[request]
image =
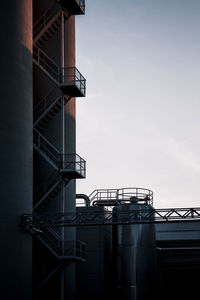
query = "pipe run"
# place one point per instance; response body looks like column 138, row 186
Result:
column 85, row 197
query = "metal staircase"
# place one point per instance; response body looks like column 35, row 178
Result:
column 67, row 167
column 64, row 251
column 63, row 163
column 46, row 149
column 47, row 108
column 48, row 24
column 68, row 83
column 46, row 191
column 69, row 79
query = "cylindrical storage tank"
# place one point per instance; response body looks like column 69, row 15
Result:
column 94, row 277
column 134, row 254
column 16, row 148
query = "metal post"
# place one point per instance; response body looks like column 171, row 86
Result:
column 62, row 45
column 62, row 150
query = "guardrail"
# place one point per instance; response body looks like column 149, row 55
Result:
column 73, row 162
column 111, row 197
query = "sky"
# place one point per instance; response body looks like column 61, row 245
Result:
column 139, row 123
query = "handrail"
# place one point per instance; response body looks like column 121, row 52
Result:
column 122, row 195
column 64, row 161
column 47, row 63
column 97, row 192
column 45, row 186
column 73, row 161
column 72, row 74
column 63, row 247
column 61, row 76
column 45, row 19
column 45, row 102
column 46, row 147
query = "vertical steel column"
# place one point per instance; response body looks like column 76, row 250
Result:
column 62, row 145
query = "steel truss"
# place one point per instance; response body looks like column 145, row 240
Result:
column 35, row 222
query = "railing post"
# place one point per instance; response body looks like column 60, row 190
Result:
column 117, row 195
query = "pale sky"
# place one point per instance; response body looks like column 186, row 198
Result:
column 139, row 124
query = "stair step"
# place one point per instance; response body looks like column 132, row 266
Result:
column 43, row 38
column 40, row 43
column 40, row 127
column 49, row 116
column 51, row 30
column 47, row 34
column 56, row 109
column 45, row 120
column 51, row 113
column 57, row 23
column 54, row 27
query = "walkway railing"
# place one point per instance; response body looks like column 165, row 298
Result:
column 73, row 162
column 111, row 197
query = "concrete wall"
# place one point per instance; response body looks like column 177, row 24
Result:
column 16, row 148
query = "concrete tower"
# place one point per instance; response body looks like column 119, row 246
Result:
column 16, row 148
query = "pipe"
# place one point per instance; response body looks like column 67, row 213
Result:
column 85, row 197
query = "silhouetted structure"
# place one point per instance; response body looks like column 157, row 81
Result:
column 112, row 245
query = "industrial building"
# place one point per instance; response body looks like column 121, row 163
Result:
column 57, row 244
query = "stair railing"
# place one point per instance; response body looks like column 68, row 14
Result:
column 44, row 146
column 44, row 103
column 46, row 63
column 43, row 21
column 46, row 186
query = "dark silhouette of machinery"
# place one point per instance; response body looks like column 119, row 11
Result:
column 56, row 244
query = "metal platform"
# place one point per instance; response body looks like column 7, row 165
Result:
column 74, row 7
column 72, row 166
column 72, row 82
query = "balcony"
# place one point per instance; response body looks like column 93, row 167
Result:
column 72, row 166
column 72, row 82
column 74, row 7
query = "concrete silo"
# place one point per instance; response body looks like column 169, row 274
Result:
column 16, row 148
